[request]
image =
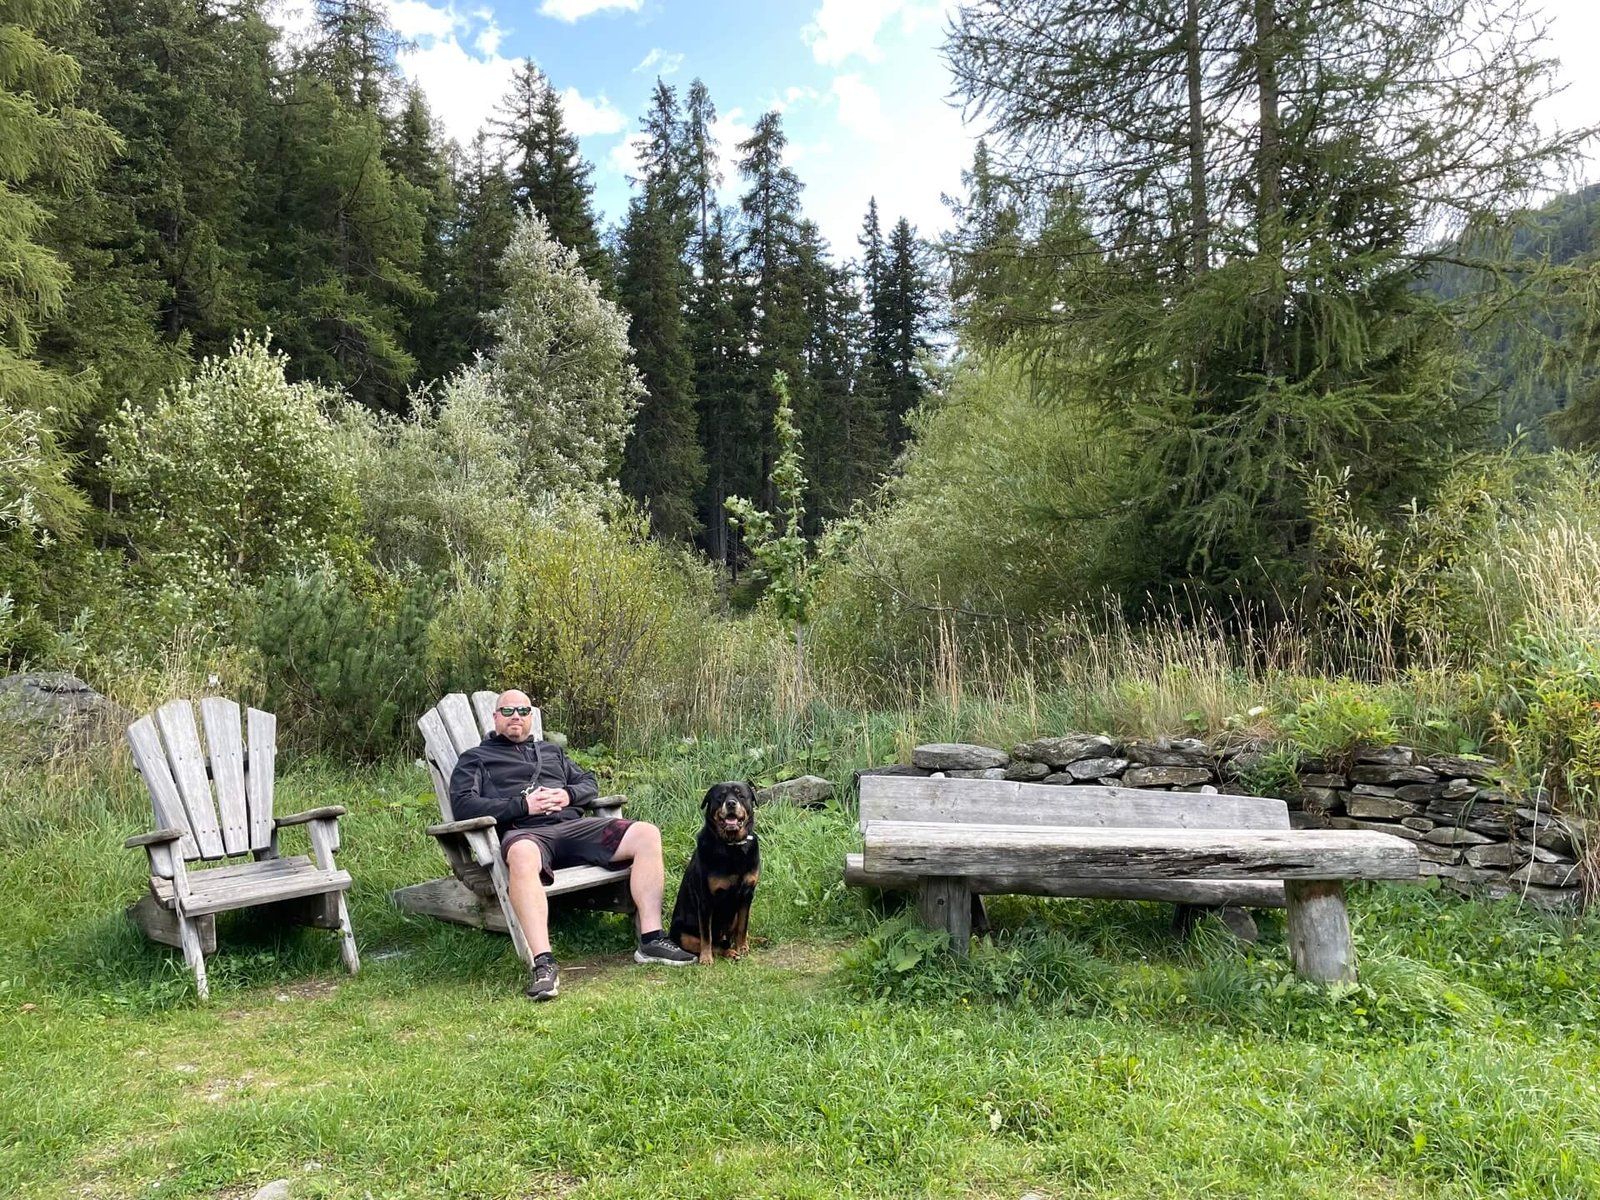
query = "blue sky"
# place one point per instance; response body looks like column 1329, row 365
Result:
column 861, row 85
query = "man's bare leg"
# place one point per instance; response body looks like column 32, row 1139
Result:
column 532, row 906
column 647, row 883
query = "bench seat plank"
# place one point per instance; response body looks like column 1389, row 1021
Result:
column 1046, row 852
column 1208, row 893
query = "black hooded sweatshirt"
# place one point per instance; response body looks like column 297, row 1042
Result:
column 491, row 777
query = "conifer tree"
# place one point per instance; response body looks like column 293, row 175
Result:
column 902, row 311
column 45, row 142
column 485, row 217
column 546, row 168
column 1234, row 203
column 663, row 465
column 717, row 338
column 847, row 452
column 354, row 51
column 772, row 303
column 415, row 155
column 339, row 239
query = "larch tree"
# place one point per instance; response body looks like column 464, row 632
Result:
column 1235, row 203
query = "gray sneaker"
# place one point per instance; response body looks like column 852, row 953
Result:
column 664, row 951
column 544, row 981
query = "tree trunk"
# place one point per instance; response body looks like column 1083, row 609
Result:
column 1269, row 201
column 1199, row 202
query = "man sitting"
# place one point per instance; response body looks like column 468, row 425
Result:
column 533, row 790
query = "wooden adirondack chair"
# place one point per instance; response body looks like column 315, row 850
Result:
column 477, row 892
column 235, row 822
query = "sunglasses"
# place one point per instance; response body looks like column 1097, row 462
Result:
column 515, row 710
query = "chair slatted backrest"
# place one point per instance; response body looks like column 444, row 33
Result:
column 1002, row 802
column 219, row 791
column 453, row 726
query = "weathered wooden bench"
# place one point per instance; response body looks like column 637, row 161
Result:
column 477, row 892
column 951, row 839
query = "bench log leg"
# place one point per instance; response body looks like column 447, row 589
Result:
column 1319, row 931
column 945, row 904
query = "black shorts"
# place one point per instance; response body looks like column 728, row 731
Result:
column 587, row 841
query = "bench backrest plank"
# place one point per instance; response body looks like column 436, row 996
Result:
column 449, row 729
column 219, row 791
column 1003, row 802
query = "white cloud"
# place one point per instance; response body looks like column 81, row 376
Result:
column 575, row 10
column 792, row 96
column 488, row 40
column 907, row 175
column 842, row 28
column 859, row 108
column 845, row 28
column 624, row 156
column 413, row 19
column 586, row 117
column 731, row 129
column 662, row 62
column 462, row 88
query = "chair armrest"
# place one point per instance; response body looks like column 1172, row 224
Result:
column 605, row 802
column 153, row 839
column 466, row 826
column 311, row 814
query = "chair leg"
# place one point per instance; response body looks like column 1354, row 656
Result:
column 193, row 954
column 347, row 936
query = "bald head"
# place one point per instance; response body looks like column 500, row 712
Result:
column 519, row 725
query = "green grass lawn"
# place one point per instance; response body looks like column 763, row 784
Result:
column 1082, row 1052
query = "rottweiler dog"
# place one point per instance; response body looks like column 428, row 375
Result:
column 712, row 912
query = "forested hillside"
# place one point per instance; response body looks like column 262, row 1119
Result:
column 1226, row 329
column 183, row 176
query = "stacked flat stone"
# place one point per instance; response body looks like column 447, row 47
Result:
column 1469, row 832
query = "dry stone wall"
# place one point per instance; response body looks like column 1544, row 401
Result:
column 1471, row 833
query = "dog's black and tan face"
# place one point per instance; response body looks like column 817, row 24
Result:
column 730, row 810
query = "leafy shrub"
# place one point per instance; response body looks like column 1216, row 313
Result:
column 1338, row 717
column 439, row 490
column 345, row 671
column 586, row 614
column 1549, row 724
column 561, row 362
column 233, row 475
column 1007, row 511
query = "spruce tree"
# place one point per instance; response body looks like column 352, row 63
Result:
column 485, row 217
column 416, row 156
column 771, row 301
column 902, row 313
column 663, row 465
column 547, row 169
column 718, row 340
column 717, row 337
column 847, row 452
